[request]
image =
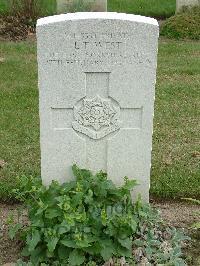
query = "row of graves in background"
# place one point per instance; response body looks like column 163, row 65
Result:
column 101, row 5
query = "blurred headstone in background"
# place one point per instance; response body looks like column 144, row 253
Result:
column 65, row 6
column 186, row 3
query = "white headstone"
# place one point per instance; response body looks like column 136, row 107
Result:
column 97, row 75
column 64, row 6
column 188, row 3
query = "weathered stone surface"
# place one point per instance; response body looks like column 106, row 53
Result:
column 64, row 6
column 189, row 3
column 97, row 75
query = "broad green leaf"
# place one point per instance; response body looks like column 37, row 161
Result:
column 68, row 186
column 87, row 229
column 77, row 199
column 13, row 230
column 124, row 252
column 63, row 229
column 148, row 250
column 134, row 226
column 76, row 258
column 38, row 255
column 42, row 208
column 83, row 243
column 177, row 252
column 106, row 242
column 22, row 263
column 107, row 252
column 68, row 243
column 25, row 252
column 33, row 240
column 63, row 252
column 95, row 249
column 38, row 221
column 80, row 174
column 129, row 184
column 179, row 262
column 52, row 242
column 127, row 242
column 52, row 213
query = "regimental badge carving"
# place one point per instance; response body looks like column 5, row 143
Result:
column 96, row 117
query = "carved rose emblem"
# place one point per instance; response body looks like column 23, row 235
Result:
column 96, row 113
column 96, row 117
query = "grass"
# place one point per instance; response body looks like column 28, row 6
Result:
column 155, row 8
column 175, row 166
column 19, row 123
column 175, row 159
column 3, row 6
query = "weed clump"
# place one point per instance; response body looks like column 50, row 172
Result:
column 184, row 25
column 90, row 222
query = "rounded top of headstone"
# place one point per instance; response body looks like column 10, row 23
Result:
column 96, row 15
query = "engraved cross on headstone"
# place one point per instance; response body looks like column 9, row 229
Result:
column 96, row 118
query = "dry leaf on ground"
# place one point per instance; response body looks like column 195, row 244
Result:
column 2, row 163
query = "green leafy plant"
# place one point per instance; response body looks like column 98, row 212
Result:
column 90, row 221
column 184, row 25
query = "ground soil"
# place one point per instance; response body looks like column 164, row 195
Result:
column 183, row 215
column 178, row 214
